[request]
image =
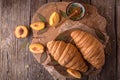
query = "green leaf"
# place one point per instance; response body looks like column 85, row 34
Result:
column 43, row 57
column 53, row 63
column 62, row 38
column 100, row 35
column 42, row 18
column 42, row 31
column 63, row 14
column 23, row 45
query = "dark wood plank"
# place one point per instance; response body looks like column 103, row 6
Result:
column 13, row 61
column 118, row 36
column 35, row 4
column 107, row 9
column 83, row 1
column 0, row 42
column 18, row 65
column 36, row 71
column 53, row 0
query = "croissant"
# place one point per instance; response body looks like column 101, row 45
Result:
column 67, row 55
column 91, row 49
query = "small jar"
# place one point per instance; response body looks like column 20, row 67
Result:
column 72, row 7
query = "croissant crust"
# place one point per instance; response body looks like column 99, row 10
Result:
column 67, row 55
column 91, row 49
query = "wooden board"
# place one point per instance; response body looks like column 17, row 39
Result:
column 92, row 19
column 118, row 36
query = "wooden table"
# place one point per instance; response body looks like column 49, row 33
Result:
column 19, row 64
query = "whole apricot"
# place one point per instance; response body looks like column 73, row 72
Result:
column 36, row 48
column 21, row 32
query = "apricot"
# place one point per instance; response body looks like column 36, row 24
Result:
column 54, row 19
column 21, row 32
column 36, row 48
column 38, row 25
column 74, row 73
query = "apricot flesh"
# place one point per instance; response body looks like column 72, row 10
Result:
column 38, row 25
column 36, row 48
column 21, row 32
column 54, row 19
column 74, row 73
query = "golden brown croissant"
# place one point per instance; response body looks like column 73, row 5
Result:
column 91, row 49
column 67, row 55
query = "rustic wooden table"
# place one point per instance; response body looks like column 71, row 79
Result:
column 17, row 64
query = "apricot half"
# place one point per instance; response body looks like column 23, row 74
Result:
column 21, row 32
column 54, row 19
column 36, row 48
column 38, row 25
column 74, row 73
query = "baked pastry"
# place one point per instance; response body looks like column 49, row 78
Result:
column 67, row 55
column 91, row 48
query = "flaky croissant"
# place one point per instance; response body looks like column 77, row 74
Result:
column 67, row 55
column 91, row 49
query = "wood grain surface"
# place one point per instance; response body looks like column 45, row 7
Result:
column 19, row 64
column 107, row 9
column 118, row 36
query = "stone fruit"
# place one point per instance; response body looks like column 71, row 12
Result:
column 21, row 32
column 36, row 48
column 67, row 55
column 38, row 25
column 74, row 73
column 91, row 48
column 54, row 19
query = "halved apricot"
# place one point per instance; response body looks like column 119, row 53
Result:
column 36, row 48
column 38, row 25
column 21, row 32
column 74, row 73
column 54, row 19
